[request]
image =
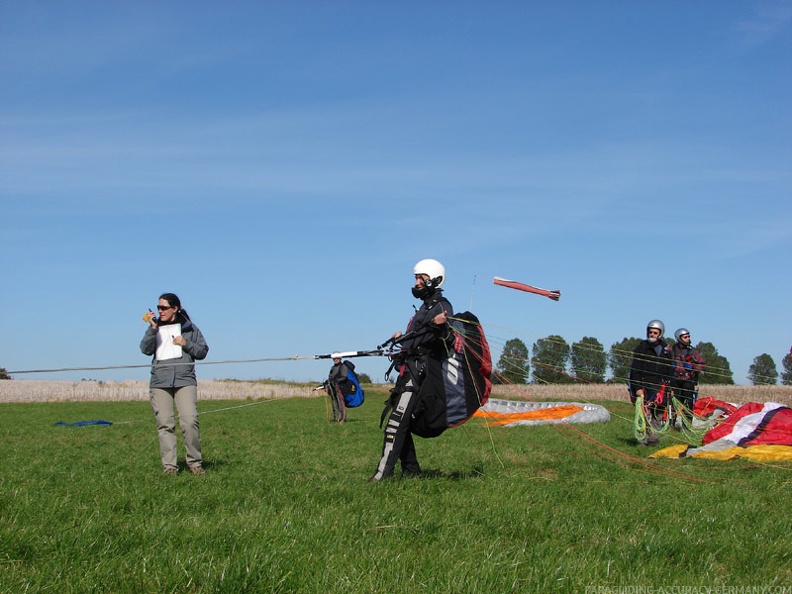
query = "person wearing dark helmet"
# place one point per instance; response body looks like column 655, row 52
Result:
column 688, row 363
column 425, row 337
column 175, row 343
column 650, row 372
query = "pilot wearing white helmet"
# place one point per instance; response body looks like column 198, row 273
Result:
column 423, row 338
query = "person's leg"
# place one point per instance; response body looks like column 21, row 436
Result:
column 162, row 404
column 337, row 402
column 675, row 415
column 397, row 431
column 687, row 398
column 186, row 399
column 409, row 458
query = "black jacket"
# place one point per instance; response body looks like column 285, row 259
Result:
column 423, row 337
column 651, row 367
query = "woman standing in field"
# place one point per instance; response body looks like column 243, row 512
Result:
column 175, row 342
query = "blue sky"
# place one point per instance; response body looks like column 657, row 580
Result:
column 281, row 166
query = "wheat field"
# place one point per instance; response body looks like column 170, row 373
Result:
column 137, row 390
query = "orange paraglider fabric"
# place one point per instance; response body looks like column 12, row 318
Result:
column 544, row 414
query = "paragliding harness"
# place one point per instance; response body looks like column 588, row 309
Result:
column 350, row 387
column 452, row 384
column 655, row 417
column 344, row 393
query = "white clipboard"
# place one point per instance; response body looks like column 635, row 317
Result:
column 165, row 347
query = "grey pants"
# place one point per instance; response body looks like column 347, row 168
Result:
column 185, row 400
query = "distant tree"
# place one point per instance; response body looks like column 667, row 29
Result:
column 550, row 359
column 762, row 371
column 786, row 375
column 620, row 359
column 364, row 378
column 717, row 370
column 514, row 364
column 4, row 374
column 589, row 360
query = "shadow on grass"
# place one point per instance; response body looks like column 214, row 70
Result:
column 458, row 475
column 434, row 474
column 632, row 442
column 207, row 465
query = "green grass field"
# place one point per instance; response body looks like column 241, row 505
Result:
column 285, row 506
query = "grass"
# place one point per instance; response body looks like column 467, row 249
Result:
column 285, row 506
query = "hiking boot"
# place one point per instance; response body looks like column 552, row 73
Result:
column 170, row 470
column 197, row 470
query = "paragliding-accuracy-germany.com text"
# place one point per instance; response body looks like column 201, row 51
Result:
column 688, row 589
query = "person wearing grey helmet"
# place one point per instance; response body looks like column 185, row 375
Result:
column 688, row 363
column 650, row 373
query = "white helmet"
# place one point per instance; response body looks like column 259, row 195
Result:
column 433, row 269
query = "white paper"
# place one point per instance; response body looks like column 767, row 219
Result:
column 165, row 347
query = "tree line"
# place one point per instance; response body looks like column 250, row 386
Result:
column 554, row 361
